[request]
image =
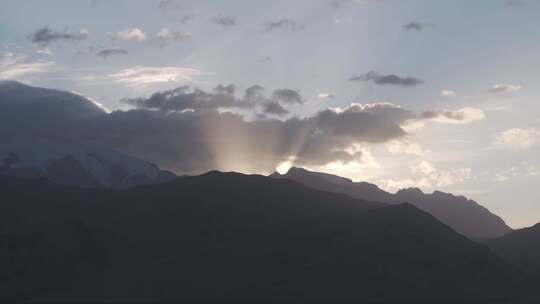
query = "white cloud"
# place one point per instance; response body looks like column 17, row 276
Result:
column 448, row 93
column 166, row 36
column 427, row 176
column 506, row 174
column 140, row 76
column 17, row 66
column 523, row 170
column 325, row 96
column 424, row 167
column 517, row 138
column 44, row 50
column 460, row 116
column 135, row 34
column 404, row 147
column 505, row 88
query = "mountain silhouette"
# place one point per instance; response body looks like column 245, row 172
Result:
column 521, row 247
column 463, row 215
column 80, row 165
column 229, row 237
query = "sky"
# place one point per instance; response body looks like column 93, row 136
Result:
column 429, row 94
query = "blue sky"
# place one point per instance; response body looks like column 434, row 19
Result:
column 476, row 60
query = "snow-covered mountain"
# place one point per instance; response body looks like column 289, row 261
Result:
column 81, row 165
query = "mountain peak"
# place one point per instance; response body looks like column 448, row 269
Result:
column 80, row 165
column 410, row 191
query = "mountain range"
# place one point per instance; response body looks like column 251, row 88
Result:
column 80, row 165
column 228, row 237
column 81, row 221
column 463, row 215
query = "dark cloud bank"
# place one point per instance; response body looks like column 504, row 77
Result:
column 188, row 131
column 46, row 35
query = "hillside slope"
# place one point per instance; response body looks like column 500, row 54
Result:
column 226, row 237
column 463, row 215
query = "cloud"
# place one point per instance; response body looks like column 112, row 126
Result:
column 186, row 98
column 287, row 96
column 400, row 147
column 428, row 177
column 415, row 26
column 46, row 35
column 523, row 170
column 254, row 92
column 505, row 88
column 111, row 52
column 141, row 76
column 184, row 129
column 44, row 50
column 448, row 93
column 326, row 96
column 283, row 24
column 462, row 116
column 131, row 34
column 410, row 121
column 194, row 141
column 166, row 36
column 380, row 79
column 517, row 138
column 18, row 66
column 274, row 108
column 225, row 21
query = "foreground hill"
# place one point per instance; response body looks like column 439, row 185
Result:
column 522, row 247
column 463, row 215
column 226, row 237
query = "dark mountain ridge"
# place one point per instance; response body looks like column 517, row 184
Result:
column 463, row 215
column 228, row 237
column 521, row 247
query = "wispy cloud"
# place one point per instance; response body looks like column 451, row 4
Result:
column 517, row 139
column 460, row 116
column 448, row 93
column 505, row 88
column 326, row 96
column 141, row 76
column 17, row 66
